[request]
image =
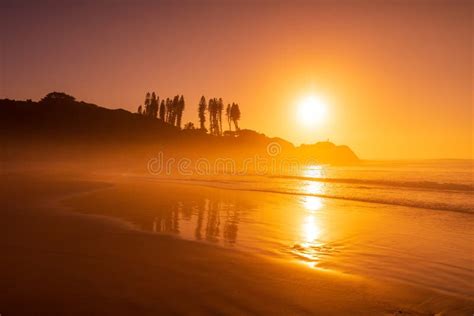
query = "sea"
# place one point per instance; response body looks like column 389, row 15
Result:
column 398, row 221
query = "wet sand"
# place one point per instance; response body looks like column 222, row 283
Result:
column 58, row 262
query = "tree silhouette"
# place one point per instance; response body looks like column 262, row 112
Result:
column 235, row 115
column 154, row 101
column 174, row 110
column 202, row 112
column 213, row 120
column 168, row 107
column 54, row 97
column 215, row 108
column 219, row 108
column 179, row 110
column 171, row 110
column 227, row 114
column 147, row 104
column 162, row 110
column 210, row 110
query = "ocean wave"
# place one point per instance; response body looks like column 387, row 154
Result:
column 426, row 185
column 438, row 206
column 231, row 185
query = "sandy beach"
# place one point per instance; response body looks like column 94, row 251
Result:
column 234, row 157
column 59, row 260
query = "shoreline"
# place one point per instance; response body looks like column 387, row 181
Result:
column 120, row 271
column 200, row 182
column 285, row 255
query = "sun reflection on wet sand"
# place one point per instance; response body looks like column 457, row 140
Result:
column 311, row 229
column 269, row 224
column 310, row 247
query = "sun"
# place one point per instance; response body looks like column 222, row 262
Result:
column 312, row 111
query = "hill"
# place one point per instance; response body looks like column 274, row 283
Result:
column 66, row 123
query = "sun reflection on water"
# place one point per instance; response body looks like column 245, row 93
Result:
column 311, row 229
column 314, row 189
column 314, row 172
column 310, row 247
column 312, row 203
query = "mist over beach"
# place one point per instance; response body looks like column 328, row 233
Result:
column 236, row 158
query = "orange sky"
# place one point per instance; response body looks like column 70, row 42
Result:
column 397, row 75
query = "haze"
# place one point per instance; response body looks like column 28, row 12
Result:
column 397, row 77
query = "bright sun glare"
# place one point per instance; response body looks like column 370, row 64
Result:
column 312, row 111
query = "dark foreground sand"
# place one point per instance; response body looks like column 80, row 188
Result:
column 55, row 262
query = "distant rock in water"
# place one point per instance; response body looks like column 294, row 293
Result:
column 60, row 122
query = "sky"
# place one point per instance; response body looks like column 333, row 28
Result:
column 395, row 76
